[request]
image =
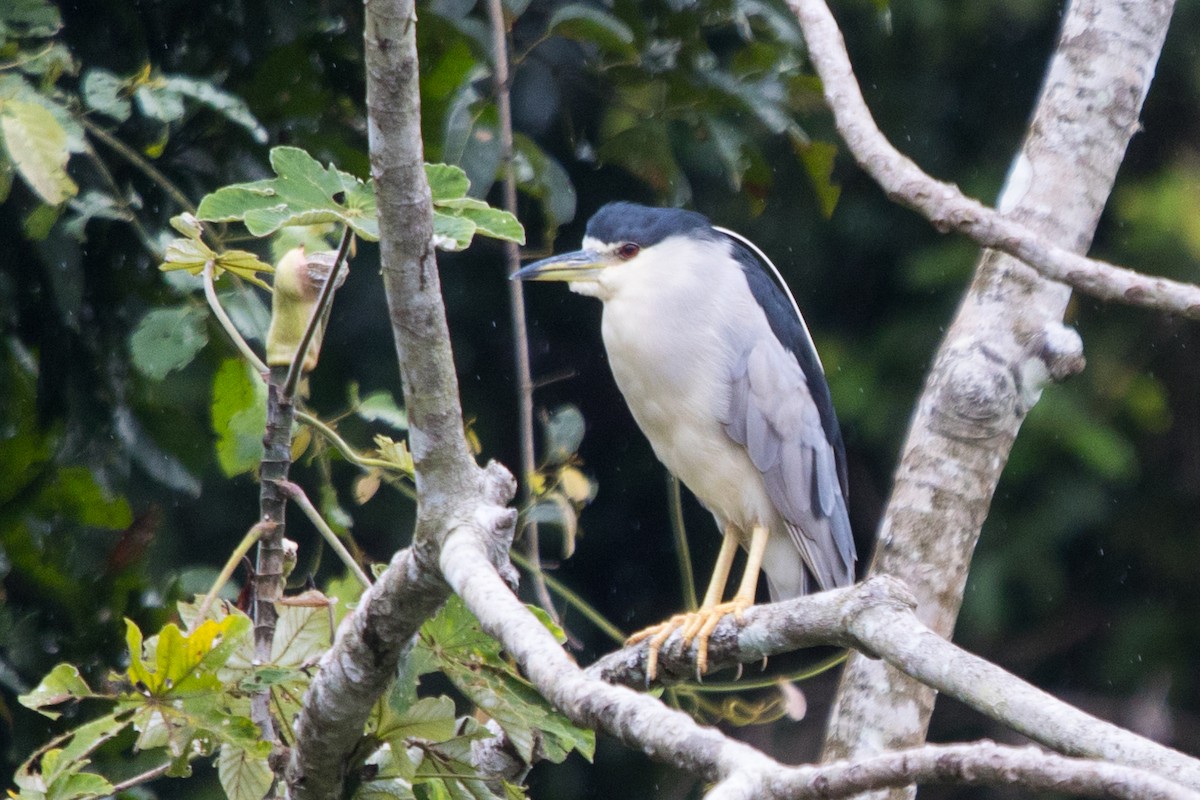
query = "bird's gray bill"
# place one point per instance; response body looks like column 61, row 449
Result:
column 580, row 265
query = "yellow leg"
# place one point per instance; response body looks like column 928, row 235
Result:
column 698, row 625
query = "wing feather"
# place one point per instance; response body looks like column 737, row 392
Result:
column 772, row 413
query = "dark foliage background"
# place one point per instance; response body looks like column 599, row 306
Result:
column 1084, row 579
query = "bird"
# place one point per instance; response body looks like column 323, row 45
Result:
column 719, row 371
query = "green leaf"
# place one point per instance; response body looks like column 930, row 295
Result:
column 228, row 105
column 28, row 18
column 430, row 718
column 105, row 92
column 192, row 254
column 37, row 145
column 472, row 661
column 452, row 232
column 301, row 636
column 167, row 339
column 594, row 26
column 380, row 406
column 818, row 159
column 303, row 193
column 177, row 664
column 446, row 181
column 73, row 493
column 496, row 223
column 62, row 684
column 239, row 410
column 243, row 776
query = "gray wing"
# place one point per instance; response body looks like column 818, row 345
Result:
column 772, row 413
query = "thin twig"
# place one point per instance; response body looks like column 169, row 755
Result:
column 137, row 780
column 365, row 463
column 210, row 294
column 683, row 552
column 297, row 496
column 249, row 540
column 516, row 297
column 136, row 160
column 573, row 600
column 294, row 370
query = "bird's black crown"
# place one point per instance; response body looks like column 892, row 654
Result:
column 644, row 225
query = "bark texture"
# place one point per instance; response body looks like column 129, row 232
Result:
column 452, row 491
column 1005, row 342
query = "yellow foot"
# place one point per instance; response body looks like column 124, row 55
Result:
column 694, row 625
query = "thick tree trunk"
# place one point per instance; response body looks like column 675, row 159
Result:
column 998, row 351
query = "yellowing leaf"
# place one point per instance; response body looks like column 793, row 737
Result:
column 575, row 485
column 366, row 486
column 37, row 145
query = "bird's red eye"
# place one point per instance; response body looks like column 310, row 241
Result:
column 628, row 250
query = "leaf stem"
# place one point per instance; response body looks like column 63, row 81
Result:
column 366, row 463
column 137, row 780
column 210, row 294
column 249, row 540
column 297, row 496
column 683, row 553
column 294, row 370
column 574, row 600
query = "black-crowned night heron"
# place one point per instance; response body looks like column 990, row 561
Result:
column 721, row 375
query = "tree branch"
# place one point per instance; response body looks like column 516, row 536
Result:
column 853, row 614
column 876, row 617
column 1007, row 337
column 949, row 209
column 453, row 492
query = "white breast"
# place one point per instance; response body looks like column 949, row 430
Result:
column 675, row 377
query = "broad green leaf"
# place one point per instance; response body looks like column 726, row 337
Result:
column 62, row 684
column 37, row 223
column 301, row 635
column 192, row 254
column 302, row 193
column 451, row 232
column 455, row 644
column 446, row 181
column 495, row 222
column 243, row 776
column 818, row 159
column 28, row 18
column 429, row 718
column 73, row 493
column 239, row 409
column 592, row 25
column 37, row 146
column 178, row 664
column 167, row 339
column 105, row 92
column 380, row 406
column 228, row 105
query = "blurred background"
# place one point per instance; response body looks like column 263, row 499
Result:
column 115, row 499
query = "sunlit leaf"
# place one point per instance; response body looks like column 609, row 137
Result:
column 167, row 339
column 380, row 406
column 243, row 776
column 302, row 634
column 239, row 407
column 302, row 193
column 37, row 146
column 446, row 181
column 64, row 683
column 429, row 718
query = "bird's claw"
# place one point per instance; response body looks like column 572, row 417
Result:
column 693, row 626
